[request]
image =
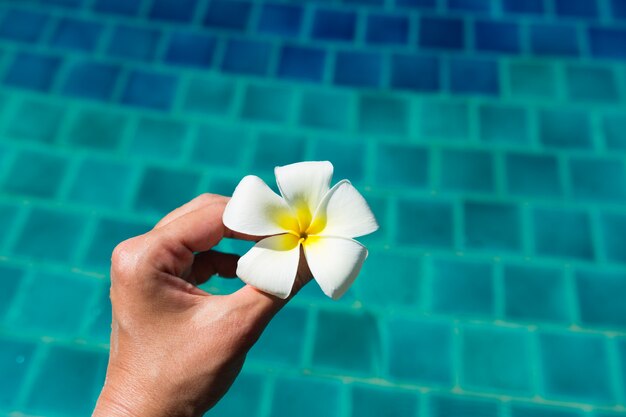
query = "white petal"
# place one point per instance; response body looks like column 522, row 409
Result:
column 271, row 265
column 334, row 262
column 303, row 185
column 255, row 209
column 343, row 212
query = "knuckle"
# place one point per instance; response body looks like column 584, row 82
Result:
column 124, row 261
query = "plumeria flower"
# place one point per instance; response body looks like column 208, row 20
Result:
column 311, row 215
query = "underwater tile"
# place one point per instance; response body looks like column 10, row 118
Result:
column 360, row 353
column 562, row 233
column 32, row 71
column 15, row 359
column 492, row 226
column 97, row 129
column 389, row 279
column 553, row 39
column 211, row 95
column 618, row 9
column 280, row 19
column 532, row 174
column 91, row 80
column 374, row 401
column 532, row 79
column 36, row 121
column 416, row 4
column 575, row 367
column 534, row 410
column 593, row 178
column 220, row 145
column 565, row 129
column 387, row 29
column 11, row 279
column 467, row 170
column 591, row 83
column 282, row 342
column 173, row 10
column 247, row 56
column 503, row 124
column 444, row 119
column 496, row 36
column 117, row 7
column 415, row 72
column 496, row 359
column 300, row 62
column 535, row 293
column 402, row 166
column 607, row 42
column 108, row 233
column 158, row 138
column 163, row 189
column 358, row 69
column 475, row 6
column 133, row 42
column 474, row 76
column 325, row 109
column 333, row 24
column 35, row 174
column 383, row 115
column 275, row 149
column 228, row 14
column 473, row 287
column 613, row 227
column 243, row 399
column 526, row 7
column 151, row 89
column 190, row 49
column 425, row 223
column 448, row 406
column 76, row 34
column 68, row 382
column 101, row 183
column 420, row 350
column 292, row 397
column 576, row 8
column 613, row 127
column 600, row 298
column 21, row 25
column 441, row 33
column 267, row 103
column 99, row 317
column 347, row 156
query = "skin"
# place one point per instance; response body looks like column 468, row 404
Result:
column 175, row 349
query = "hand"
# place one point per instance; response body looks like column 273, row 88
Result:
column 175, row 349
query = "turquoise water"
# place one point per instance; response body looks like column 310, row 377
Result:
column 488, row 136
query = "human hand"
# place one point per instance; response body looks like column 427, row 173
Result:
column 175, row 349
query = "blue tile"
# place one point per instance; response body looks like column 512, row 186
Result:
column 282, row 342
column 554, row 39
column 337, row 25
column 598, row 179
column 267, row 103
column 365, row 2
column 42, row 314
column 613, row 226
column 292, row 397
column 247, row 57
column 401, row 285
column 600, row 298
column 473, row 287
column 492, row 226
column 159, row 138
column 68, row 4
column 209, row 95
column 462, row 406
column 32, row 71
column 11, row 277
column 575, row 367
column 15, row 360
column 420, row 351
column 592, row 83
column 387, row 29
column 228, row 14
column 280, row 19
column 535, row 293
column 118, row 7
column 173, row 10
column 190, row 49
column 68, row 382
column 36, row 174
column 101, row 183
column 562, row 233
column 467, row 170
column 410, row 166
column 109, row 232
column 372, row 401
column 244, row 397
column 565, row 129
column 445, row 33
column 163, row 189
column 22, row 25
column 524, row 6
column 133, row 42
column 325, row 110
column 220, row 145
column 480, row 6
column 415, row 72
column 97, row 129
column 358, row 69
column 503, row 124
column 150, row 89
column 75, row 34
column 91, row 80
column 383, row 115
column 496, row 359
column 618, row 9
column 496, row 36
column 58, row 235
column 613, row 126
column 576, row 8
column 360, row 353
column 301, row 63
column 607, row 42
column 417, row 4
column 425, row 223
column 474, row 76
column 36, row 121
column 532, row 175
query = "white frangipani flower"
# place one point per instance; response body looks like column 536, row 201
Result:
column 322, row 220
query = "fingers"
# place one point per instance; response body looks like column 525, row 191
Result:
column 207, row 264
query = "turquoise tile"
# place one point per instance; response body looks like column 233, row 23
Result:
column 101, row 183
column 613, row 126
column 325, row 110
column 599, row 300
column 282, row 342
column 35, row 174
column 373, row 402
column 562, row 233
column 532, row 174
column 565, row 129
column 420, row 351
column 107, row 234
column 96, row 129
column 11, row 279
column 533, row 79
column 447, row 120
column 158, row 138
column 381, row 114
column 613, row 229
column 504, row 124
column 402, row 166
column 99, row 330
column 36, row 121
column 347, row 157
column 68, row 382
column 8, row 216
column 220, row 145
column 425, row 223
column 458, row 406
column 243, row 399
column 15, row 360
column 292, row 396
column 492, row 226
column 496, row 359
column 163, row 189
column 591, row 83
column 467, row 170
column 622, row 355
column 597, row 178
column 528, row 410
column 267, row 103
column 286, row 149
column 209, row 95
column 358, row 354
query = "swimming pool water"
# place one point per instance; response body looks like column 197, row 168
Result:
column 488, row 136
